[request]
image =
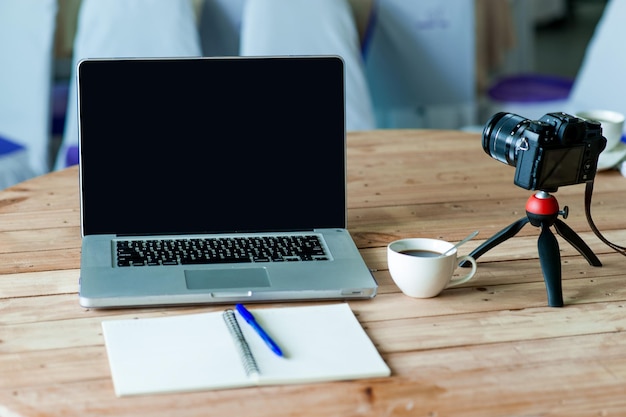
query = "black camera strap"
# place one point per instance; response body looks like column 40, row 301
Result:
column 588, row 194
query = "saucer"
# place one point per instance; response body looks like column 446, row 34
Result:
column 609, row 159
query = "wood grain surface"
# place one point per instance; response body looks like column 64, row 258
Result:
column 490, row 347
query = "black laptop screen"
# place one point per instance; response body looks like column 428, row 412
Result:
column 211, row 145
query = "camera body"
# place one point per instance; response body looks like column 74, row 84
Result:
column 554, row 151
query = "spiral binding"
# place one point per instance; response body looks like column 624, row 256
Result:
column 247, row 358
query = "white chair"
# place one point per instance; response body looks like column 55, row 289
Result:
column 420, row 63
column 123, row 28
column 26, row 34
column 600, row 82
column 311, row 27
column 14, row 164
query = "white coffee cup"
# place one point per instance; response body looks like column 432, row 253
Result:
column 612, row 124
column 418, row 268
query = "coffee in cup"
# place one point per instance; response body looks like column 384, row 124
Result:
column 419, row 268
column 421, row 253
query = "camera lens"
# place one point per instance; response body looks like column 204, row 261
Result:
column 502, row 136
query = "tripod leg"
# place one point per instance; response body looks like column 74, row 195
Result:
column 568, row 234
column 504, row 234
column 550, row 260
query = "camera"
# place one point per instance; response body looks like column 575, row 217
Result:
column 554, row 151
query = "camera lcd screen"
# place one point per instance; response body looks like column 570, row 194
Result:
column 560, row 167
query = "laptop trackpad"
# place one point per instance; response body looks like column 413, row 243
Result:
column 226, row 278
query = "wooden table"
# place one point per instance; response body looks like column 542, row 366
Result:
column 491, row 347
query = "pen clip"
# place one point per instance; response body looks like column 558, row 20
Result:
column 249, row 318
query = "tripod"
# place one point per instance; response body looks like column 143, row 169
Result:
column 542, row 210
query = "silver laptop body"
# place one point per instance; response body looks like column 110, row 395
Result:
column 184, row 160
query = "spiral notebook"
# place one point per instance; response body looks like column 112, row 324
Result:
column 197, row 352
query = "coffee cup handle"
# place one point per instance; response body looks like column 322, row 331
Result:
column 465, row 278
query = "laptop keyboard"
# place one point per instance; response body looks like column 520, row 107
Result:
column 219, row 250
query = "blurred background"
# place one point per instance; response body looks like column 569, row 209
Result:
column 427, row 63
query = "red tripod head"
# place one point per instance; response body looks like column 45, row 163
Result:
column 543, row 208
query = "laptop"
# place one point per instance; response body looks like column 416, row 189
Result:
column 214, row 180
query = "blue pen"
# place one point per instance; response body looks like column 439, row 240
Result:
column 249, row 318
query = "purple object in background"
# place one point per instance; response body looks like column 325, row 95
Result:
column 71, row 156
column 531, row 88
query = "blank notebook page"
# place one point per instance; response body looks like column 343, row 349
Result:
column 197, row 352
